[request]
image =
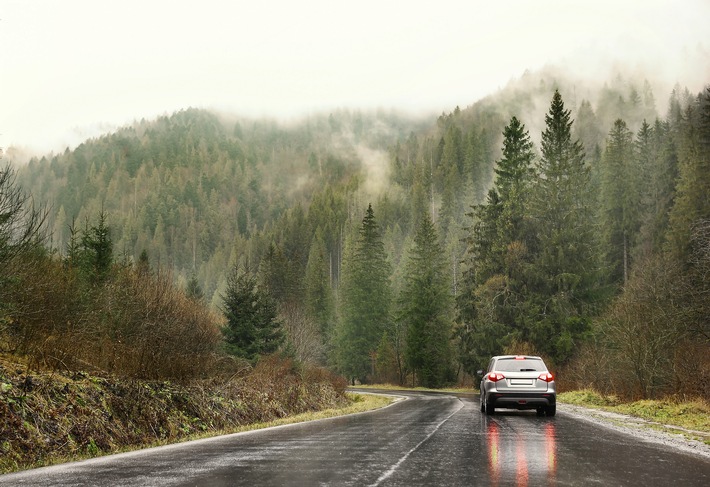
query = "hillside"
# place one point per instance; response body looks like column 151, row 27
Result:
column 197, row 189
column 189, row 187
column 536, row 263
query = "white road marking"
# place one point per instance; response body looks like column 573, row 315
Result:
column 394, row 467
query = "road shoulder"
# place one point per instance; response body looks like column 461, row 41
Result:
column 688, row 441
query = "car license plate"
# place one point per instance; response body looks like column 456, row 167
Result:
column 521, row 382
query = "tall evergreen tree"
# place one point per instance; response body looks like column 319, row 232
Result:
column 274, row 274
column 319, row 293
column 657, row 156
column 426, row 305
column 500, row 221
column 497, row 247
column 513, row 177
column 451, row 176
column 253, row 328
column 365, row 301
column 565, row 267
column 619, row 201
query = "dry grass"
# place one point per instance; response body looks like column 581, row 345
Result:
column 692, row 414
column 51, row 417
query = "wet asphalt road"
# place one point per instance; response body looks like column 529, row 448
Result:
column 428, row 439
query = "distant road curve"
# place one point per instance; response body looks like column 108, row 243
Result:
column 428, row 439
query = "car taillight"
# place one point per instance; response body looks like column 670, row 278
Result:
column 546, row 376
column 495, row 376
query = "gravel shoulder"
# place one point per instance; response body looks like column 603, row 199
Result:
column 688, row 441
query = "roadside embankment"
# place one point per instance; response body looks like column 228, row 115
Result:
column 692, row 415
column 51, row 417
column 683, row 424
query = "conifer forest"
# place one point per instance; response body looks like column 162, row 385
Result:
column 547, row 219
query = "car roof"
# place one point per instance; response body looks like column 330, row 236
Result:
column 518, row 357
column 524, row 357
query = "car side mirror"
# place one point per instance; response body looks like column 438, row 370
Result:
column 479, row 372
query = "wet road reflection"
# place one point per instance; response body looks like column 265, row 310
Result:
column 428, row 439
column 521, row 450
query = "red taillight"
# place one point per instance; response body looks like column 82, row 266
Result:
column 495, row 376
column 546, row 376
column 519, row 357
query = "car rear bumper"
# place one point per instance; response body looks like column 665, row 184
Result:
column 521, row 400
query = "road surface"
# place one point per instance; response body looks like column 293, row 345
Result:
column 427, row 439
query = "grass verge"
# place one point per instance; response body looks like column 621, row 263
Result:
column 359, row 403
column 692, row 415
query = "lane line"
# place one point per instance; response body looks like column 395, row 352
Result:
column 394, row 467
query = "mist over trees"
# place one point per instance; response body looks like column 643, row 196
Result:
column 537, row 221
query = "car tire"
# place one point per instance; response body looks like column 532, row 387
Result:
column 483, row 407
column 551, row 410
column 490, row 410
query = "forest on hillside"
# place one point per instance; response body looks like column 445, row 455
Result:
column 410, row 251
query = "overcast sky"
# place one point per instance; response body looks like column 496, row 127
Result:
column 76, row 68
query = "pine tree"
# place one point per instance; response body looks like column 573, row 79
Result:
column 253, row 328
column 426, row 308
column 365, row 301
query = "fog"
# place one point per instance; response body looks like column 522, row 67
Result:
column 76, row 69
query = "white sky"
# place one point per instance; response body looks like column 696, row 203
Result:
column 71, row 69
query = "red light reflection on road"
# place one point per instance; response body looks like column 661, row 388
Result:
column 522, row 456
column 551, row 449
column 494, row 452
column 521, row 467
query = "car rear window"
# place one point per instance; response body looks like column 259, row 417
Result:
column 518, row 365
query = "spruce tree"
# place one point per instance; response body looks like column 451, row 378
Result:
column 253, row 328
column 513, row 177
column 426, row 308
column 619, row 201
column 564, row 270
column 494, row 285
column 96, row 254
column 365, row 301
column 319, row 294
column 561, row 207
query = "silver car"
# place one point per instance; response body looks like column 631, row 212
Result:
column 518, row 382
